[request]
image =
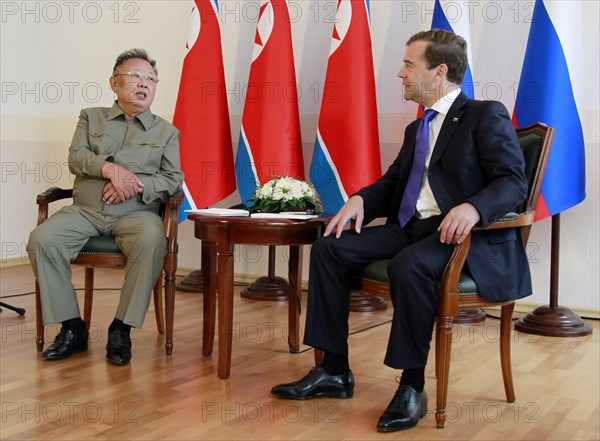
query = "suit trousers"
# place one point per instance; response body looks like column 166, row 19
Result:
column 418, row 259
column 57, row 241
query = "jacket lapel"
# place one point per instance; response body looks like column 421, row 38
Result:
column 451, row 122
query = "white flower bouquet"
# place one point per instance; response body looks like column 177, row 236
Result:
column 285, row 194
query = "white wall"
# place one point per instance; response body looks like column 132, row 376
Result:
column 57, row 57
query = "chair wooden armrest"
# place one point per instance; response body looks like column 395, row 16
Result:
column 172, row 220
column 53, row 194
column 449, row 292
column 511, row 220
column 50, row 195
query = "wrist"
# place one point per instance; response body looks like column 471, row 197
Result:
column 107, row 170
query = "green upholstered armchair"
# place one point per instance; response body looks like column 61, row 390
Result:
column 103, row 252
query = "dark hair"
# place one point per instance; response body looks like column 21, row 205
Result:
column 135, row 53
column 444, row 48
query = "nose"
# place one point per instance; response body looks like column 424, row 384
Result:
column 401, row 73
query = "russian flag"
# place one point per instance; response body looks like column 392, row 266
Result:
column 455, row 17
column 346, row 156
column 202, row 115
column 270, row 143
column 549, row 92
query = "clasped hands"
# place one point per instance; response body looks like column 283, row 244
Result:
column 123, row 184
column 455, row 227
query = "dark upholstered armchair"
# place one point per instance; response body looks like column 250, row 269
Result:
column 458, row 290
column 103, row 252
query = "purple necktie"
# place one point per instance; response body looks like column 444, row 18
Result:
column 413, row 186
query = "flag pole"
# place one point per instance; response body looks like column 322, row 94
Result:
column 553, row 320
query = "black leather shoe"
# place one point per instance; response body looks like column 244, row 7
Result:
column 118, row 348
column 67, row 342
column 317, row 383
column 404, row 411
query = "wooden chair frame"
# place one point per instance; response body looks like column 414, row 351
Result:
column 169, row 213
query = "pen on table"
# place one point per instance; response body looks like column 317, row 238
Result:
column 297, row 212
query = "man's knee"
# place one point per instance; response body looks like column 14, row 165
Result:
column 318, row 246
column 148, row 240
column 42, row 242
column 322, row 248
column 38, row 235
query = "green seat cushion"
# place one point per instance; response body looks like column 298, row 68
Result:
column 377, row 272
column 101, row 245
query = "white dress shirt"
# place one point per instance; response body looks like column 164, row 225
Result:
column 426, row 203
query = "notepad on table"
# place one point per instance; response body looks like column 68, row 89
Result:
column 221, row 211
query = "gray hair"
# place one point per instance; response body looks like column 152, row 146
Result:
column 135, row 53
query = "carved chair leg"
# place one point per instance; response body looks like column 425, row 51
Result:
column 505, row 337
column 170, row 308
column 158, row 306
column 443, row 347
column 88, row 296
column 39, row 321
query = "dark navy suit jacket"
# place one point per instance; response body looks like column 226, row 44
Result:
column 477, row 158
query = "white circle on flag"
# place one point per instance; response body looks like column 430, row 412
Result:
column 194, row 29
column 342, row 24
column 264, row 27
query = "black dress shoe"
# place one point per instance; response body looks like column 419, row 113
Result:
column 67, row 342
column 404, row 410
column 317, row 383
column 118, row 348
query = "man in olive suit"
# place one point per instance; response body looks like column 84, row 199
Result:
column 125, row 161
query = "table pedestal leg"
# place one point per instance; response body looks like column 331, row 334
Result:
column 193, row 282
column 361, row 301
column 469, row 316
column 270, row 287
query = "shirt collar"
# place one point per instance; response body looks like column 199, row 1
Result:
column 145, row 117
column 444, row 103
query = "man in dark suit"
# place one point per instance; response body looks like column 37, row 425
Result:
column 462, row 168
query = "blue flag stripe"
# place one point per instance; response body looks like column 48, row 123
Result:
column 244, row 172
column 326, row 181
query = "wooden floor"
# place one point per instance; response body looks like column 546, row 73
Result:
column 180, row 397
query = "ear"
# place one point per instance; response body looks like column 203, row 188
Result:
column 113, row 83
column 442, row 71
